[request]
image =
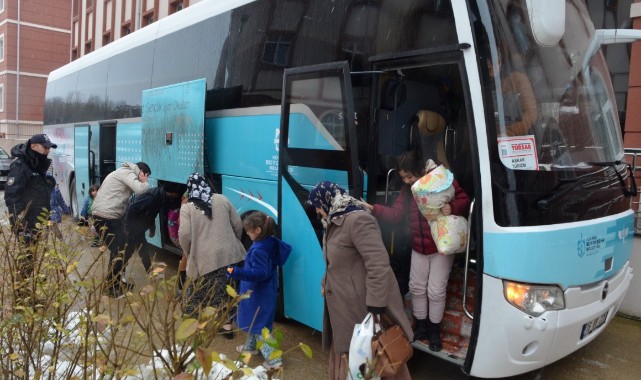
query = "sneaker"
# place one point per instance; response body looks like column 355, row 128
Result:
column 95, row 244
column 275, row 364
column 115, row 292
column 241, row 350
column 227, row 334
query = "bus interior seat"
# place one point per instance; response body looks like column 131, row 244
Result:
column 430, row 139
column 400, row 100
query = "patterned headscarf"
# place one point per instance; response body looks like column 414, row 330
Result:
column 199, row 193
column 334, row 200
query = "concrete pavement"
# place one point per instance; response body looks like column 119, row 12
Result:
column 631, row 305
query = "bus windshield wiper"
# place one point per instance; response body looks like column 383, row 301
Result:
column 632, row 191
column 546, row 203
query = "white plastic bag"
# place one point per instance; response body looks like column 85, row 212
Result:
column 360, row 348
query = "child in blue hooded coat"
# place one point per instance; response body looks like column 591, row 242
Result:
column 57, row 206
column 260, row 276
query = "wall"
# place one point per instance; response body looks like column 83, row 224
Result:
column 633, row 115
column 43, row 32
column 632, row 139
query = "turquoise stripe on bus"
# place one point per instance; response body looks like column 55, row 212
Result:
column 575, row 256
column 248, row 145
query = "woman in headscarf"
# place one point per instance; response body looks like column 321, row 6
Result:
column 209, row 234
column 358, row 276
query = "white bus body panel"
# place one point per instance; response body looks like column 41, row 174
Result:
column 512, row 342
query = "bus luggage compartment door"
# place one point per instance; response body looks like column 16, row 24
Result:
column 173, row 119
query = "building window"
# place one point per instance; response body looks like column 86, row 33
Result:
column 175, row 6
column 1, row 5
column 1, row 46
column 74, row 54
column 126, row 29
column 106, row 38
column 276, row 50
column 148, row 19
column 88, row 47
column 1, row 97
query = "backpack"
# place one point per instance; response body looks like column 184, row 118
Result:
column 173, row 223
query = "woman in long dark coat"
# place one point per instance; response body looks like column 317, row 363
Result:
column 358, row 277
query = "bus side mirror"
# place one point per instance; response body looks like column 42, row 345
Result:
column 547, row 18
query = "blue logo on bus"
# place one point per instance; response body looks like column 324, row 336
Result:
column 580, row 249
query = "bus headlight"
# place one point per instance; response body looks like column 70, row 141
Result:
column 533, row 299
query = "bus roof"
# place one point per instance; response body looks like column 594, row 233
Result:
column 186, row 17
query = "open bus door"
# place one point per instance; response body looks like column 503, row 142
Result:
column 317, row 142
column 81, row 181
column 172, row 139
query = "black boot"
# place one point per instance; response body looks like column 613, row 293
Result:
column 182, row 278
column 434, row 336
column 420, row 329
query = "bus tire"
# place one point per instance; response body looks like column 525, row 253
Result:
column 73, row 199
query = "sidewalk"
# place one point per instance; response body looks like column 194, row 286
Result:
column 631, row 305
column 612, row 355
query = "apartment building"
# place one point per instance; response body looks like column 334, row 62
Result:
column 34, row 39
column 96, row 23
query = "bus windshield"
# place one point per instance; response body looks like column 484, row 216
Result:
column 555, row 120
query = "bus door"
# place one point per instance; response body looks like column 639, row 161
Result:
column 424, row 105
column 82, row 167
column 317, row 142
column 106, row 146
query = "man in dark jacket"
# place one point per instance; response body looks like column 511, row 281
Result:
column 141, row 216
column 26, row 193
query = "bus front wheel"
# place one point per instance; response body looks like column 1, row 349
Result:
column 73, row 199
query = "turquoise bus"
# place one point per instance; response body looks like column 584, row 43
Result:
column 268, row 97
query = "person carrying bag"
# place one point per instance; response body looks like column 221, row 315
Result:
column 354, row 254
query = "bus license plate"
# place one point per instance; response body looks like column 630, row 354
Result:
column 594, row 324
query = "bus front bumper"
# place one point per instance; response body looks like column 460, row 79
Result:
column 511, row 342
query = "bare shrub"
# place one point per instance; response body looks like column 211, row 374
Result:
column 57, row 322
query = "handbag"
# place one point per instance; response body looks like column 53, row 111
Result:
column 391, row 349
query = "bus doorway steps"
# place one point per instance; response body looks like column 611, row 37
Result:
column 456, row 327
